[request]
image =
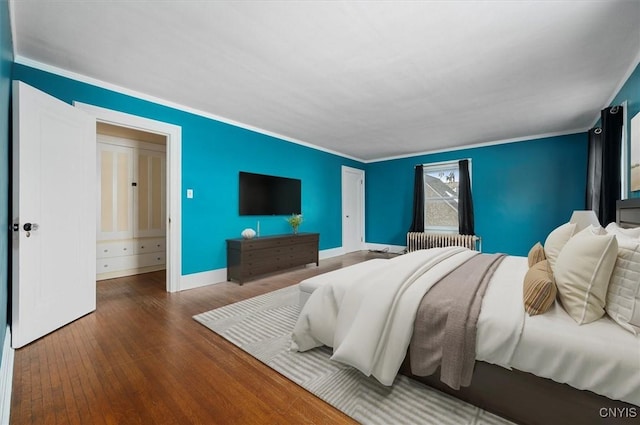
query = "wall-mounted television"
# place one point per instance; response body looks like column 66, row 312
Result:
column 261, row 194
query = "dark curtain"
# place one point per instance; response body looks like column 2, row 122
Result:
column 417, row 224
column 465, row 200
column 594, row 170
column 610, row 185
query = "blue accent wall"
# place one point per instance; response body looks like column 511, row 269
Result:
column 521, row 191
column 213, row 153
column 6, row 58
column 630, row 92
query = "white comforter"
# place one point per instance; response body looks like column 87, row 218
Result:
column 600, row 357
column 368, row 318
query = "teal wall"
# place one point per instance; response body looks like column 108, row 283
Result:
column 630, row 92
column 521, row 191
column 6, row 58
column 212, row 155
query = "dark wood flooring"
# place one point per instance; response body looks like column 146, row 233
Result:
column 140, row 358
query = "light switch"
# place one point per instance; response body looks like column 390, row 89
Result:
column 189, row 193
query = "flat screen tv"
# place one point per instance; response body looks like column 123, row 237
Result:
column 269, row 195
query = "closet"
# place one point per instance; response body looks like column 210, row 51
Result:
column 131, row 216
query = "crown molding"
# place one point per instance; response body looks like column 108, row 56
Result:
column 128, row 92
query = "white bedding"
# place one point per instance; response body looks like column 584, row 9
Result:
column 368, row 317
column 600, row 357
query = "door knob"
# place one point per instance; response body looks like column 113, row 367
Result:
column 29, row 227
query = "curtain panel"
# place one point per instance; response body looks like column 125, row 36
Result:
column 465, row 201
column 417, row 223
column 610, row 187
column 603, row 169
column 594, row 170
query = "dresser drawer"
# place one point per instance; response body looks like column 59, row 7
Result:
column 247, row 259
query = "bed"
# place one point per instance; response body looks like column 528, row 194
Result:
column 499, row 382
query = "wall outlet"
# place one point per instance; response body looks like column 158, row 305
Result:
column 189, row 193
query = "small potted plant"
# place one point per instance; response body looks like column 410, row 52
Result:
column 294, row 221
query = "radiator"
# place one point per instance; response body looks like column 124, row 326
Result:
column 420, row 240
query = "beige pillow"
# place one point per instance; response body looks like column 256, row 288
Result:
column 536, row 254
column 556, row 240
column 582, row 272
column 539, row 289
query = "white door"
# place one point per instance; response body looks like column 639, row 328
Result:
column 53, row 252
column 352, row 209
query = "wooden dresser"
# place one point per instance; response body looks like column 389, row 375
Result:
column 251, row 258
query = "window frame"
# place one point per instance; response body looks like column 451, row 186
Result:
column 431, row 168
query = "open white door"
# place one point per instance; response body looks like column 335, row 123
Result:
column 54, row 239
column 352, row 209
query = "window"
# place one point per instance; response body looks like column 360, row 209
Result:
column 441, row 182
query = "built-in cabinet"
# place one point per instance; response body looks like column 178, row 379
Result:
column 131, row 217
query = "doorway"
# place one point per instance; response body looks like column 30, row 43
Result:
column 352, row 209
column 172, row 134
column 131, row 204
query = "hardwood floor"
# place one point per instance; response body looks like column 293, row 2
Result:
column 140, row 358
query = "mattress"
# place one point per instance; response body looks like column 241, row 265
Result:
column 600, row 356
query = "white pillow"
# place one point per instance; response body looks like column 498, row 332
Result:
column 623, row 296
column 556, row 240
column 582, row 273
column 614, row 229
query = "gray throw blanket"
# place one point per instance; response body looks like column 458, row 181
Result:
column 444, row 333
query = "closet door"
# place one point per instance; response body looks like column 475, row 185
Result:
column 150, row 194
column 115, row 203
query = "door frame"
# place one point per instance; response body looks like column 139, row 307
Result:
column 350, row 170
column 173, row 134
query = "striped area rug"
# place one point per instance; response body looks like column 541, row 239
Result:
column 262, row 327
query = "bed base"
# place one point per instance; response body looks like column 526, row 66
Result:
column 530, row 400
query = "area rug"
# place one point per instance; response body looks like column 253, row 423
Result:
column 262, row 327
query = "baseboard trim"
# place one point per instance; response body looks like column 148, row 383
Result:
column 6, row 377
column 212, row 277
column 332, row 252
column 198, row 280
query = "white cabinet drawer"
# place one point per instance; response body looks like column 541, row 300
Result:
column 145, row 245
column 150, row 259
column 105, row 265
column 130, row 262
column 114, row 249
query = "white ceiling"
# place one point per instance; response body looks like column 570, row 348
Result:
column 370, row 80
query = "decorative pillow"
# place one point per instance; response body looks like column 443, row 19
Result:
column 539, row 289
column 536, row 254
column 614, row 229
column 582, row 272
column 556, row 240
column 623, row 296
column 595, row 230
